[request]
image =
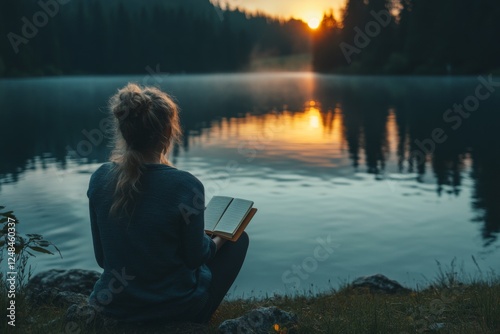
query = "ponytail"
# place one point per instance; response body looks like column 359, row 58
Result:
column 129, row 170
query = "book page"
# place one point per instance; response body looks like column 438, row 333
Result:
column 215, row 209
column 234, row 215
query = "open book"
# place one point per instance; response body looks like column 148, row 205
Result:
column 228, row 217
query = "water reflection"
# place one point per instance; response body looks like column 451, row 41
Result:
column 485, row 167
column 306, row 123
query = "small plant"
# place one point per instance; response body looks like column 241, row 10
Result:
column 20, row 248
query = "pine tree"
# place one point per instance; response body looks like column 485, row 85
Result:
column 326, row 39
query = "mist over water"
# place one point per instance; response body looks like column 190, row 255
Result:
column 351, row 175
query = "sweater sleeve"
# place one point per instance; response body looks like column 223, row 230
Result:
column 96, row 238
column 197, row 247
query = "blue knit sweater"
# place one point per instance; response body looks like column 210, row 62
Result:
column 154, row 262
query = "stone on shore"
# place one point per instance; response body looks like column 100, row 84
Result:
column 379, row 284
column 73, row 280
column 60, row 286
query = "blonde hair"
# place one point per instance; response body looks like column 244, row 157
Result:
column 146, row 125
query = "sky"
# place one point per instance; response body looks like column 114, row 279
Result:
column 300, row 9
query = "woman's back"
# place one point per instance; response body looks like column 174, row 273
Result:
column 153, row 261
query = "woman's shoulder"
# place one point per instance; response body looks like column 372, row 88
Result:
column 175, row 175
column 100, row 178
column 103, row 171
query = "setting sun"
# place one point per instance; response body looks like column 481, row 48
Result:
column 313, row 22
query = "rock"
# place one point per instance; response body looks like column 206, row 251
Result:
column 379, row 284
column 260, row 320
column 73, row 280
column 62, row 287
column 56, row 297
column 76, row 312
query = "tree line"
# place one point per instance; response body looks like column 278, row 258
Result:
column 56, row 37
column 418, row 37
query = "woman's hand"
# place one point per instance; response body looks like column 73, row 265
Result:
column 219, row 242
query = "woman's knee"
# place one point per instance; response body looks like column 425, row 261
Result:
column 244, row 240
column 239, row 246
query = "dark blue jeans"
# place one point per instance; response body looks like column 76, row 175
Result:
column 225, row 267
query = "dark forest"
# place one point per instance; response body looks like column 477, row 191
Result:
column 62, row 37
column 421, row 37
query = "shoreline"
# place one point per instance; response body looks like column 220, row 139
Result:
column 368, row 304
column 495, row 73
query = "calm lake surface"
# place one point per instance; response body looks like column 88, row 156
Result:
column 374, row 168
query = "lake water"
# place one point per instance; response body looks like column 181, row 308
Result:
column 351, row 175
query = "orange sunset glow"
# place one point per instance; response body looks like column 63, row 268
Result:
column 310, row 11
column 300, row 136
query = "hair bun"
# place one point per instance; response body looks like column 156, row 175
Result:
column 132, row 102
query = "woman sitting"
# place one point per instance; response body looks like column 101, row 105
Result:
column 158, row 262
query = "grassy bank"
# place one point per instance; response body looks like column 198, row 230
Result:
column 448, row 304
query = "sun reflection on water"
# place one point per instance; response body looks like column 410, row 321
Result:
column 311, row 135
